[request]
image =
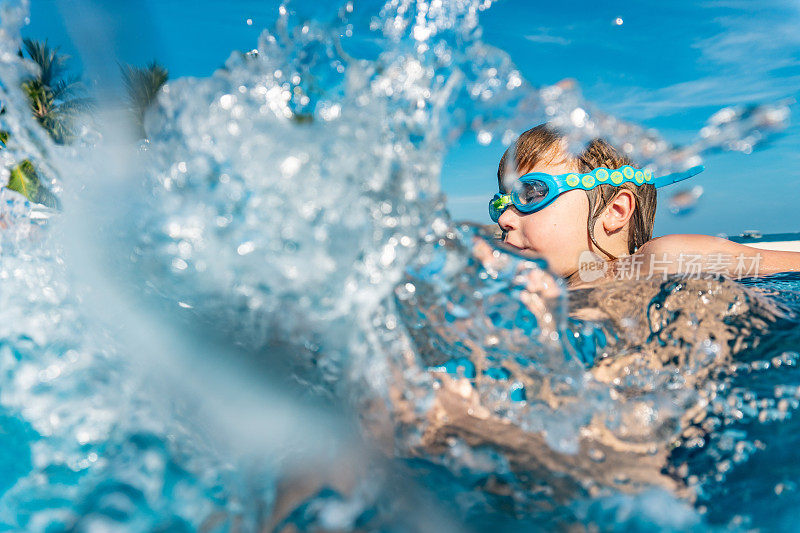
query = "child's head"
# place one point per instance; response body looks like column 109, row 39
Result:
column 610, row 220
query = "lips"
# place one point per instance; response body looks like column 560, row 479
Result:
column 510, row 243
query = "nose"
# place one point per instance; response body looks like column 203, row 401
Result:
column 509, row 220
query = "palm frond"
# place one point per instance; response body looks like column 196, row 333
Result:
column 64, row 88
column 51, row 63
column 142, row 85
column 75, row 106
column 24, row 180
column 55, row 101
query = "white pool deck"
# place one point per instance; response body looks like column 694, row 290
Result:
column 781, row 246
column 784, row 242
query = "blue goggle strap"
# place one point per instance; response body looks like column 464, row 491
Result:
column 590, row 180
column 566, row 182
column 675, row 177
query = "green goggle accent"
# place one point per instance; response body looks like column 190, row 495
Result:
column 500, row 202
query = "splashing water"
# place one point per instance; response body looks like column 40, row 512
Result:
column 192, row 341
column 685, row 201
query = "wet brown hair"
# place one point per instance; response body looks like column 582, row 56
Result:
column 544, row 143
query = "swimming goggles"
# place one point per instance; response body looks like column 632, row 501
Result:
column 537, row 190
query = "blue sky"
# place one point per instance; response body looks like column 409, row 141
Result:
column 670, row 65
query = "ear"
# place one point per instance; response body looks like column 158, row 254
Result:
column 619, row 211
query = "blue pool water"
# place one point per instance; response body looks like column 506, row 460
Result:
column 263, row 317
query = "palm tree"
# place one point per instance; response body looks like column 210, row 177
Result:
column 56, row 101
column 142, row 85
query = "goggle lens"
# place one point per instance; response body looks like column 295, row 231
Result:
column 532, row 192
column 497, row 205
column 526, row 194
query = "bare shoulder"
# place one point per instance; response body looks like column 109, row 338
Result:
column 768, row 261
column 687, row 242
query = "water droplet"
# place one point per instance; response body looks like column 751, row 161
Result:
column 683, row 202
column 484, row 137
column 597, row 455
column 578, row 117
column 179, row 264
column 226, row 101
column 245, row 248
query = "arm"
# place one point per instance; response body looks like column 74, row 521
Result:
column 768, row 261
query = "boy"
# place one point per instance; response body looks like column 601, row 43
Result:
column 605, row 221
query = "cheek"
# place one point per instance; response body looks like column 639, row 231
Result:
column 572, row 214
column 561, row 224
column 549, row 237
column 565, row 219
column 542, row 229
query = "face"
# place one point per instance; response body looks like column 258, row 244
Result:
column 557, row 232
